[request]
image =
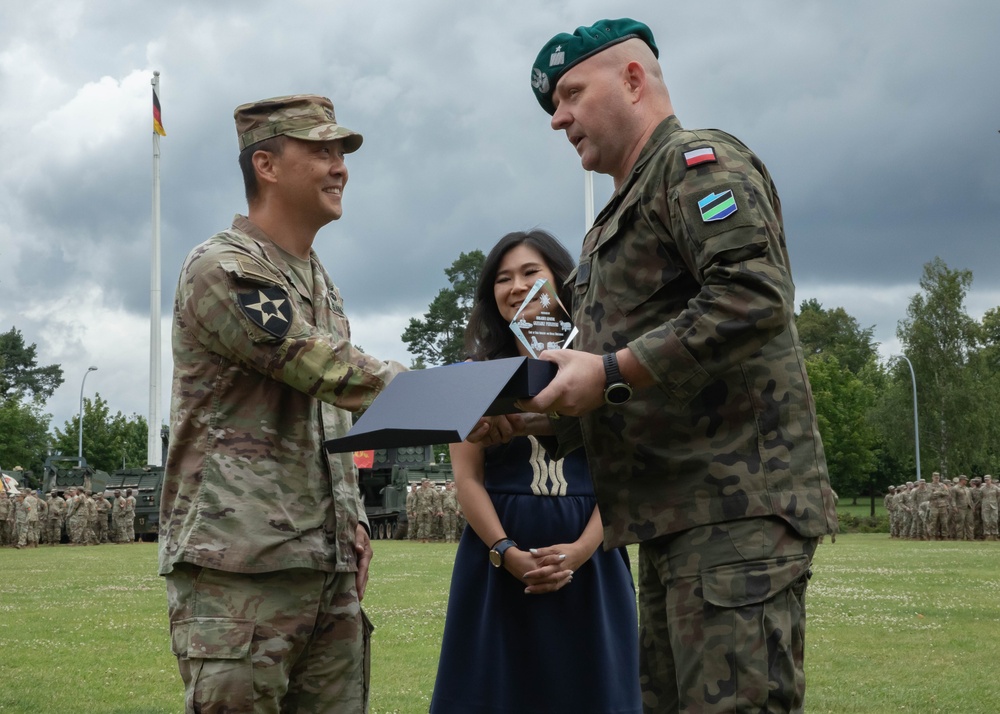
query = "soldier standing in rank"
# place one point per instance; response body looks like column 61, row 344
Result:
column 76, row 522
column 57, row 516
column 117, row 517
column 44, row 532
column 264, row 540
column 989, row 505
column 975, row 491
column 26, row 515
column 103, row 509
column 128, row 517
column 687, row 374
column 939, row 507
column 426, row 506
column 449, row 509
column 890, row 509
column 964, row 523
column 34, row 518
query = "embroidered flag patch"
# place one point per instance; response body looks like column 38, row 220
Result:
column 704, row 155
column 268, row 308
column 716, row 206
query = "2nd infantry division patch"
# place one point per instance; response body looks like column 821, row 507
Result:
column 268, row 308
column 716, row 206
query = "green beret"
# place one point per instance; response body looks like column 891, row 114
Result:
column 565, row 51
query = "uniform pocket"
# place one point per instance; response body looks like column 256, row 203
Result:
column 211, row 638
column 214, row 658
column 754, row 634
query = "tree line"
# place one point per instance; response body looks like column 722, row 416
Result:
column 864, row 404
column 111, row 441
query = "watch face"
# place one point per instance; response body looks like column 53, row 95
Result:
column 496, row 558
column 617, row 394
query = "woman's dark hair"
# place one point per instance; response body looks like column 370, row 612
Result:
column 488, row 334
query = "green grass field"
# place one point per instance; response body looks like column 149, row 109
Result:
column 894, row 626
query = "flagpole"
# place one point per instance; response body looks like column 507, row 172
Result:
column 154, row 451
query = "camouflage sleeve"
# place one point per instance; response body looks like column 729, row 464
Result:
column 235, row 306
column 746, row 296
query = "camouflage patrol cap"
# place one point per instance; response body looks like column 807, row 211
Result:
column 564, row 51
column 300, row 116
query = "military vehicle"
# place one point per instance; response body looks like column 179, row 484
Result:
column 146, row 483
column 57, row 478
column 384, row 477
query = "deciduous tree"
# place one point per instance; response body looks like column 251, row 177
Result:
column 439, row 337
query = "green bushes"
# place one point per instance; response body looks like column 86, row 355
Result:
column 851, row 523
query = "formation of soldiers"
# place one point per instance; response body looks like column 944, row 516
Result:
column 960, row 509
column 27, row 520
column 433, row 513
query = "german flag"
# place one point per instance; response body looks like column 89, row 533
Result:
column 157, row 123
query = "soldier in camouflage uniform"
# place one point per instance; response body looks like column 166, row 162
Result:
column 989, row 504
column 57, row 516
column 939, row 511
column 103, row 509
column 889, row 501
column 264, row 540
column 34, row 508
column 922, row 514
column 963, row 510
column 90, row 521
column 26, row 520
column 118, row 518
column 128, row 518
column 698, row 421
column 976, row 492
column 449, row 510
column 426, row 506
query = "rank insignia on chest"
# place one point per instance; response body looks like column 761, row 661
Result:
column 703, row 155
column 268, row 308
column 716, row 206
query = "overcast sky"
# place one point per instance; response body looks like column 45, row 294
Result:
column 877, row 120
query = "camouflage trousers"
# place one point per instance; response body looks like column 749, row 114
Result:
column 450, row 526
column 964, row 524
column 990, row 522
column 291, row 641
column 425, row 524
column 722, row 618
column 938, row 523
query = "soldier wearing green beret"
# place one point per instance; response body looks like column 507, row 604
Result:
column 264, row 541
column 688, row 381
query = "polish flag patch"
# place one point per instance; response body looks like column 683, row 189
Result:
column 703, row 155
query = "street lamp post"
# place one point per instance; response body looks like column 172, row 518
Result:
column 916, row 423
column 80, row 430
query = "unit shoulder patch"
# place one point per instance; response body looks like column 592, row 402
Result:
column 268, row 308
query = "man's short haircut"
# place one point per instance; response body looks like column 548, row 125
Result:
column 251, row 187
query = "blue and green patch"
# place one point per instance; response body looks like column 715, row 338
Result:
column 716, row 206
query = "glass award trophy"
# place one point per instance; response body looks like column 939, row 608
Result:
column 542, row 323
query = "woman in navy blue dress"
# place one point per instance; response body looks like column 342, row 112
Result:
column 540, row 618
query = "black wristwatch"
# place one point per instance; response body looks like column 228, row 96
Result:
column 616, row 390
column 498, row 549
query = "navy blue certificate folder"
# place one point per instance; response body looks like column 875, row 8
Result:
column 441, row 405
